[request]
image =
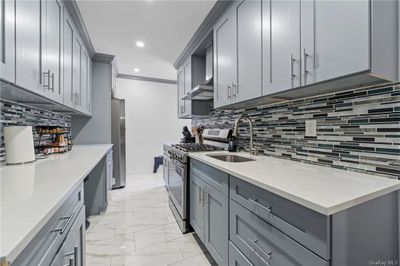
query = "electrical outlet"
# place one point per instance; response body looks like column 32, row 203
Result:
column 311, row 128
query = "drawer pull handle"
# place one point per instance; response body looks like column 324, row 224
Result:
column 255, row 243
column 62, row 229
column 200, row 194
column 70, row 262
column 268, row 209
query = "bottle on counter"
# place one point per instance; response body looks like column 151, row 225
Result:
column 232, row 144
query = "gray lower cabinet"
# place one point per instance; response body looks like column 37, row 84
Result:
column 98, row 186
column 261, row 228
column 216, row 221
column 28, row 25
column 197, row 219
column 45, row 246
column 309, row 228
column 209, row 210
column 7, row 43
column 72, row 251
column 263, row 244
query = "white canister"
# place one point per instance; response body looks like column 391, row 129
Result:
column 19, row 144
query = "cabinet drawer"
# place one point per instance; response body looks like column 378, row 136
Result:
column 308, row 227
column 263, row 244
column 41, row 250
column 210, row 175
column 236, row 258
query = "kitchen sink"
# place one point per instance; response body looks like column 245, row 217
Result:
column 230, row 158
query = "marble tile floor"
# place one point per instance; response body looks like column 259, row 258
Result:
column 139, row 229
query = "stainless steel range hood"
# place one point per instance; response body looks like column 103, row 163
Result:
column 200, row 92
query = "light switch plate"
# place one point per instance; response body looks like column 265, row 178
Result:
column 311, row 128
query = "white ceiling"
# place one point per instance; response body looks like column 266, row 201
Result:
column 164, row 26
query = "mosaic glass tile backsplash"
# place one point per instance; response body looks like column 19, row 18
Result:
column 19, row 114
column 357, row 130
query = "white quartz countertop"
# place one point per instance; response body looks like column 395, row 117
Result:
column 31, row 193
column 322, row 189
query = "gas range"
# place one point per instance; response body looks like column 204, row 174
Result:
column 180, row 151
column 176, row 170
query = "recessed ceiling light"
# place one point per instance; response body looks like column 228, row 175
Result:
column 136, row 69
column 140, row 44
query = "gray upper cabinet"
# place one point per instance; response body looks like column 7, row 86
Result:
column 281, row 50
column 85, row 81
column 184, row 87
column 334, row 39
column 90, row 89
column 76, row 72
column 7, row 41
column 42, row 52
column 181, row 92
column 68, row 50
column 314, row 46
column 28, row 23
column 77, row 69
column 225, row 59
column 249, row 58
column 189, row 75
column 187, row 69
column 51, row 49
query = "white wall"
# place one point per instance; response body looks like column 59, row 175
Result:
column 151, row 118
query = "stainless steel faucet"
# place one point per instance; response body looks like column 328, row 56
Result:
column 253, row 151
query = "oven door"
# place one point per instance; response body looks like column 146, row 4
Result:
column 177, row 185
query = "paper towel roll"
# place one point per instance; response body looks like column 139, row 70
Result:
column 19, row 144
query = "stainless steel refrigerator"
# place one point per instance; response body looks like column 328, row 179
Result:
column 118, row 139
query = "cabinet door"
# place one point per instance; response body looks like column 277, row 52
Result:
column 187, row 110
column 181, row 92
column 84, row 80
column 51, row 48
column 68, row 54
column 248, row 51
column 225, row 58
column 90, row 93
column 281, row 45
column 335, row 39
column 77, row 52
column 7, row 41
column 216, row 224
column 197, row 205
column 29, row 73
